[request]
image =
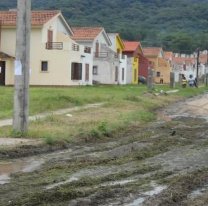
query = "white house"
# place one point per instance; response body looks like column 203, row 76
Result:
column 105, row 60
column 118, row 47
column 55, row 59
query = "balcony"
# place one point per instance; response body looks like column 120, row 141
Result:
column 101, row 54
column 54, row 45
column 75, row 47
column 87, row 50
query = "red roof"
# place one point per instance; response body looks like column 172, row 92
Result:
column 86, row 32
column 131, row 46
column 152, row 51
column 203, row 58
column 184, row 60
column 38, row 18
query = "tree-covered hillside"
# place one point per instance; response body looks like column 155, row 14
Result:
column 175, row 24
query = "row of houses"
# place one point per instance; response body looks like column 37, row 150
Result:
column 65, row 56
column 62, row 55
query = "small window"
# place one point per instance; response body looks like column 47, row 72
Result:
column 122, row 74
column 87, row 72
column 158, row 74
column 95, row 70
column 76, row 71
column 116, row 74
column 135, row 59
column 44, row 66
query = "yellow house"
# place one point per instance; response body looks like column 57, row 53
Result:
column 55, row 59
column 161, row 66
column 132, row 50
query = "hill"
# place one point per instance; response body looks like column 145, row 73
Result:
column 179, row 25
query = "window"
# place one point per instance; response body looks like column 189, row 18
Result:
column 122, row 74
column 76, row 71
column 116, row 74
column 95, row 70
column 118, row 51
column 135, row 75
column 135, row 59
column 44, row 66
column 158, row 74
column 50, row 39
column 86, row 72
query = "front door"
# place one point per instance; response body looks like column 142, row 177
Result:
column 2, row 73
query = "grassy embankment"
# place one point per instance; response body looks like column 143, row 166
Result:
column 125, row 108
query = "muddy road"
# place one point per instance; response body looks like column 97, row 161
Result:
column 163, row 164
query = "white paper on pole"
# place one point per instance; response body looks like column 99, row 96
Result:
column 0, row 69
column 18, row 68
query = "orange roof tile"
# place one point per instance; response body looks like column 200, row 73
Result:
column 89, row 33
column 203, row 58
column 38, row 18
column 131, row 46
column 152, row 51
column 182, row 60
column 168, row 55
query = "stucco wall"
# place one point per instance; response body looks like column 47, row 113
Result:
column 129, row 70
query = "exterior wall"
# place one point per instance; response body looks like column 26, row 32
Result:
column 113, row 41
column 164, row 71
column 106, row 67
column 143, row 66
column 129, row 70
column 59, row 61
column 122, row 64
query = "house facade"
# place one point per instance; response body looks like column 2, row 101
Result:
column 55, row 59
column 162, row 67
column 105, row 60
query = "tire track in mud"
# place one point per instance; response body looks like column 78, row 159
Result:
column 155, row 163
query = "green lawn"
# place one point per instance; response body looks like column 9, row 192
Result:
column 124, row 105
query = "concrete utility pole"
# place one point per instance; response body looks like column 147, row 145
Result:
column 22, row 64
column 150, row 79
column 197, row 69
column 172, row 80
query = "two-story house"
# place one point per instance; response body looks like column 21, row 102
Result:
column 55, row 59
column 118, row 47
column 105, row 60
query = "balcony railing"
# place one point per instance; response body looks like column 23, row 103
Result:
column 87, row 50
column 75, row 47
column 54, row 45
column 101, row 54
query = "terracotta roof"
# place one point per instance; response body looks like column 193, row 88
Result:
column 38, row 18
column 131, row 46
column 203, row 58
column 152, row 51
column 182, row 60
column 5, row 56
column 168, row 55
column 88, row 33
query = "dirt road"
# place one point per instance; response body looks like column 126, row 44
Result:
column 162, row 164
